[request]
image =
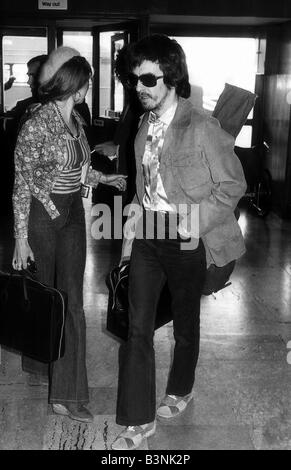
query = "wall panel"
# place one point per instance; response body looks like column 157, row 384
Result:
column 276, row 115
column 253, row 8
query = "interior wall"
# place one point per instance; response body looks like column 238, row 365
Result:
column 276, row 115
column 253, row 8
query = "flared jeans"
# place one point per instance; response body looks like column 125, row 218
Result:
column 153, row 262
column 59, row 247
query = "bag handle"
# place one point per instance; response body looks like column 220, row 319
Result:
column 24, row 274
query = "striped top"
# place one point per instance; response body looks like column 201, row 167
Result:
column 78, row 154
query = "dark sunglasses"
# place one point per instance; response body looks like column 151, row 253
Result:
column 147, row 79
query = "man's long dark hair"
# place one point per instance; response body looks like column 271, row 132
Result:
column 170, row 57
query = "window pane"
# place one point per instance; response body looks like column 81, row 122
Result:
column 19, row 71
column 244, row 138
column 17, row 51
column 212, row 62
column 82, row 41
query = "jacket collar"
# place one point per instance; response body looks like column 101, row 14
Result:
column 181, row 120
column 182, row 117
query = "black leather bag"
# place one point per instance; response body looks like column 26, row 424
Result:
column 117, row 311
column 217, row 278
column 117, row 282
column 32, row 317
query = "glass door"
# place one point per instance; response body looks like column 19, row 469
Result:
column 111, row 97
column 108, row 95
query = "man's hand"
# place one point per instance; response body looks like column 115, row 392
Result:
column 108, row 148
column 118, row 181
column 9, row 83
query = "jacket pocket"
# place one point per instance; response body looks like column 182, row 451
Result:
column 190, row 169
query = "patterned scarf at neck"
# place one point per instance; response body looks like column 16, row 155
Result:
column 153, row 118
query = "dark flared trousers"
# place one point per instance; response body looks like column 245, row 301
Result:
column 153, row 262
column 59, row 247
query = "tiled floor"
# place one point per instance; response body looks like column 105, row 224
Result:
column 242, row 394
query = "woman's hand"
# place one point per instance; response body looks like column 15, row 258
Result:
column 22, row 252
column 118, row 181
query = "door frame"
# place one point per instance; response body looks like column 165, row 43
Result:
column 132, row 29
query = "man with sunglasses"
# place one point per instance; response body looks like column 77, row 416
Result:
column 183, row 159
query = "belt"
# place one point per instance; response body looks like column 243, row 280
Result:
column 154, row 215
column 164, row 220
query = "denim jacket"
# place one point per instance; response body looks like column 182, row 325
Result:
column 198, row 165
column 40, row 155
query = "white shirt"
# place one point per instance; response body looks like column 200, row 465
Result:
column 158, row 201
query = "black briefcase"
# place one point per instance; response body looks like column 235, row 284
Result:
column 117, row 311
column 32, row 316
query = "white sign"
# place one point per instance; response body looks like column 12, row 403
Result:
column 52, row 4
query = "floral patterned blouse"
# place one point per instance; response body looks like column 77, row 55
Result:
column 40, row 155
